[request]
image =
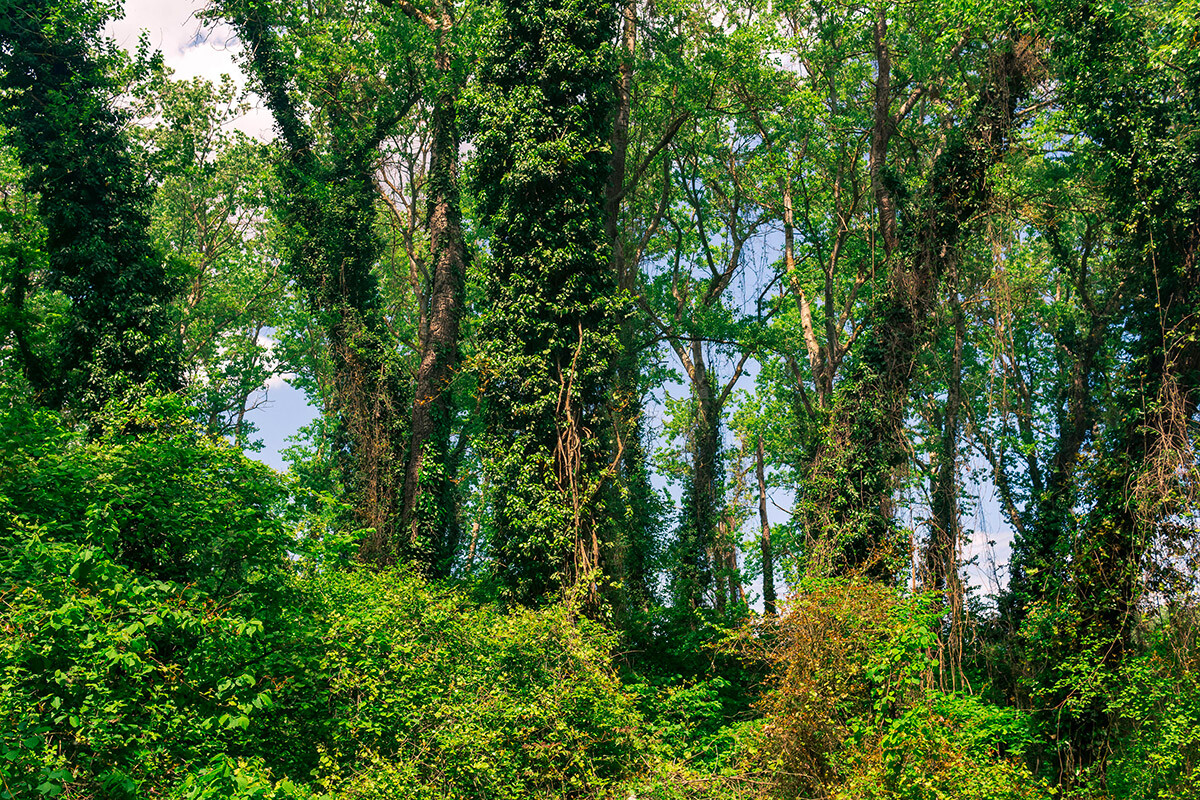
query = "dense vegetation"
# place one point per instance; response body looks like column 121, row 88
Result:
column 665, row 354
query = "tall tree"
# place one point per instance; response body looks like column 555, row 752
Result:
column 544, row 103
column 332, row 115
column 93, row 199
column 428, row 498
column 635, row 553
column 852, row 527
column 1132, row 82
column 209, row 216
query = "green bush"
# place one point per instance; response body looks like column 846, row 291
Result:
column 134, row 569
column 424, row 694
column 224, row 778
column 1153, row 704
column 157, row 639
column 149, row 489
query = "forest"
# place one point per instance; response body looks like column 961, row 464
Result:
column 715, row 399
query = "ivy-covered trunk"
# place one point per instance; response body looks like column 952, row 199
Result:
column 549, row 335
column 699, row 562
column 328, row 214
column 846, row 497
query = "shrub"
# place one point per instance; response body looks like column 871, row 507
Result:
column 424, row 694
column 848, row 713
column 151, row 616
column 129, row 625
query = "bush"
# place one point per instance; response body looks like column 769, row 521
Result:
column 151, row 491
column 848, row 713
column 423, row 694
column 1152, row 705
column 134, row 569
column 156, row 639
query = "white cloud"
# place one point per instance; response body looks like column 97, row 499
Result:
column 190, row 46
column 172, row 24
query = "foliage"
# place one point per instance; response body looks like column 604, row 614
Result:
column 136, row 572
column 208, row 214
column 955, row 246
column 131, row 669
column 425, row 695
column 93, row 200
column 849, row 713
column 548, row 339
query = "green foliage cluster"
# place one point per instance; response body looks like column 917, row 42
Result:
column 849, row 711
column 94, row 204
column 431, row 695
column 139, row 660
column 160, row 639
column 137, row 570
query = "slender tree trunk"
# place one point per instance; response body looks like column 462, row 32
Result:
column 620, row 136
column 881, row 133
column 940, row 571
column 634, row 554
column 428, row 498
column 768, row 557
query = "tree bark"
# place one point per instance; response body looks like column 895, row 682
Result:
column 881, row 133
column 768, row 557
column 428, row 497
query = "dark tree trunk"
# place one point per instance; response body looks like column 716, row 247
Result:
column 768, row 557
column 634, row 554
column 699, row 555
column 881, row 133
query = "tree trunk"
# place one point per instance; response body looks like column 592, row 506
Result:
column 768, row 557
column 881, row 132
column 634, row 554
column 428, row 498
column 699, row 556
column 940, row 573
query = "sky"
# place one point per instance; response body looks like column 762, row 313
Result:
column 189, row 46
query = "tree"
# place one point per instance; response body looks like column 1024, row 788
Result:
column 428, row 498
column 94, row 202
column 1130, row 82
column 852, row 527
column 331, row 116
column 548, row 338
column 210, row 215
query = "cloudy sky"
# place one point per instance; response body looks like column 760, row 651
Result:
column 190, row 47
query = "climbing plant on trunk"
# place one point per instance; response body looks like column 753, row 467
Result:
column 331, row 116
column 548, row 338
